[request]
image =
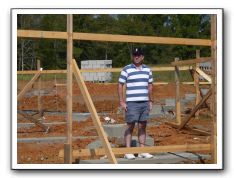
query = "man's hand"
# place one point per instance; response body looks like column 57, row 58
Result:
column 123, row 105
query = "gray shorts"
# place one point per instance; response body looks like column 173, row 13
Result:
column 137, row 111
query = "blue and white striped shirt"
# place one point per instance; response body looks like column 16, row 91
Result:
column 137, row 81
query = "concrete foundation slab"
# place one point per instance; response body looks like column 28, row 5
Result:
column 97, row 144
column 115, row 130
column 135, row 143
column 166, row 158
column 170, row 102
column 51, row 139
column 190, row 96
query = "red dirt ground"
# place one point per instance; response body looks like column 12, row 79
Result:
column 105, row 100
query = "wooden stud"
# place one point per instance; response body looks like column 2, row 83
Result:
column 177, row 97
column 113, row 38
column 69, row 87
column 214, row 87
column 93, row 112
column 196, row 83
column 191, row 61
column 39, row 88
column 28, row 85
column 133, row 150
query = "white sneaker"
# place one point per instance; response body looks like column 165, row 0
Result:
column 129, row 156
column 145, row 155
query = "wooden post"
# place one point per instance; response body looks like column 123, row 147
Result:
column 213, row 87
column 177, row 97
column 68, row 145
column 39, row 88
column 93, row 112
column 196, row 83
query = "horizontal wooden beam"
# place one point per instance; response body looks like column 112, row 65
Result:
column 191, row 61
column 203, row 74
column 156, row 83
column 151, row 149
column 154, row 69
column 113, row 38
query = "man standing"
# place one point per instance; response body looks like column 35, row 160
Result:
column 139, row 99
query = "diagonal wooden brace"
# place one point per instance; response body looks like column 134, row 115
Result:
column 93, row 112
column 187, row 119
column 33, row 119
column 29, row 85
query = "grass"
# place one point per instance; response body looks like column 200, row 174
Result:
column 27, row 77
column 162, row 76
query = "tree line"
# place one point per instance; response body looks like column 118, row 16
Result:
column 52, row 52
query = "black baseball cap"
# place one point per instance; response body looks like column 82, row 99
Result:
column 137, row 52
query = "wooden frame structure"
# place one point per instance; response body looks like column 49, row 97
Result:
column 68, row 154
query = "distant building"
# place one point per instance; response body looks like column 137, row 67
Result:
column 96, row 76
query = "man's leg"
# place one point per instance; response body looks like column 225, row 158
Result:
column 142, row 138
column 128, row 134
column 142, row 132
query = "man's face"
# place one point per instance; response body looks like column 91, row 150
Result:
column 137, row 59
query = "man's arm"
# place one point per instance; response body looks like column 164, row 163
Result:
column 151, row 99
column 121, row 99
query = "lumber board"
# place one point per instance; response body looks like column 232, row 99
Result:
column 195, row 109
column 34, row 119
column 177, row 97
column 214, row 88
column 89, row 103
column 28, row 85
column 133, row 150
column 154, row 69
column 113, row 38
column 196, row 83
column 60, row 85
column 68, row 160
column 191, row 61
column 39, row 102
column 204, row 75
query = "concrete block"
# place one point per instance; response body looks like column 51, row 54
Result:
column 157, row 109
column 205, row 66
column 184, row 101
column 167, row 108
column 190, row 96
column 93, row 62
column 95, row 77
column 170, row 102
column 204, row 91
column 156, row 115
column 135, row 143
column 101, row 62
column 89, row 78
column 97, row 144
column 84, row 62
column 116, row 130
column 107, row 61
